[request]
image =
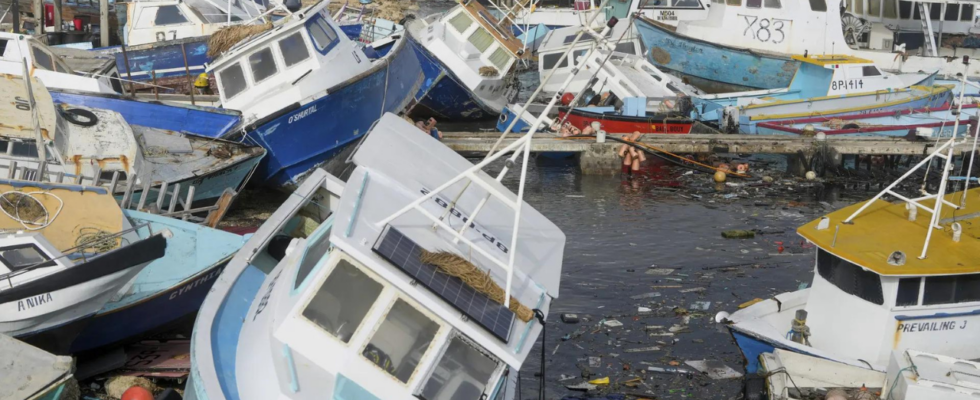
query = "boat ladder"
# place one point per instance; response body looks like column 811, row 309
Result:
column 926, row 22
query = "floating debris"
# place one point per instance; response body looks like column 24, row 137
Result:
column 646, row 295
column 714, row 369
column 643, row 349
column 612, row 323
column 738, row 234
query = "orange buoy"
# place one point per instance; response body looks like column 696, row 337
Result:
column 137, row 393
column 567, row 98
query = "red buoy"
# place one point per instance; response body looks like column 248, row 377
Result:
column 567, row 98
column 137, row 393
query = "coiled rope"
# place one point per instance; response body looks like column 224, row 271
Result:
column 32, row 214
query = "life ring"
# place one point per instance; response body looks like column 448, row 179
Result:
column 80, row 117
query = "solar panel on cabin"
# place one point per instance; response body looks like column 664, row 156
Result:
column 404, row 253
column 583, row 39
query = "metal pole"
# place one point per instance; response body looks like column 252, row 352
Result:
column 35, row 120
column 57, row 15
column 15, row 9
column 156, row 90
column 129, row 76
column 104, row 23
column 38, row 16
column 187, row 70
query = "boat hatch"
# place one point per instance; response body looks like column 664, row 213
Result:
column 19, row 256
column 405, row 341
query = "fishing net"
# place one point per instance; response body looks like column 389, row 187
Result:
column 488, row 71
column 27, row 209
column 94, row 240
column 453, row 265
column 228, row 37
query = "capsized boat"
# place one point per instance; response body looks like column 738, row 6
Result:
column 642, row 120
column 930, row 122
column 169, row 289
column 748, row 44
column 824, row 86
column 877, row 286
column 69, row 252
column 29, row 373
column 560, row 13
column 305, row 79
column 45, row 64
column 330, row 296
column 87, row 145
column 470, row 60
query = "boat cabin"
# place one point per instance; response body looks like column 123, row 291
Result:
column 149, row 21
column 565, row 13
column 875, row 21
column 349, row 310
column 830, row 75
column 872, row 293
column 287, row 64
column 46, row 65
column 557, row 41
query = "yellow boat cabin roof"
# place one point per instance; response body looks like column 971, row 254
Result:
column 71, row 210
column 884, row 228
column 824, row 60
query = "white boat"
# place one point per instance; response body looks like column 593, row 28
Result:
column 67, row 251
column 882, row 21
column 471, row 60
column 877, row 286
column 47, row 66
column 564, row 13
column 29, row 373
column 150, row 21
column 749, row 43
column 823, row 86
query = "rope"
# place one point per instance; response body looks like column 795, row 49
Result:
column 32, row 212
column 95, row 239
column 897, row 375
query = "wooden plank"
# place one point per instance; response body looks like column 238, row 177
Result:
column 224, row 203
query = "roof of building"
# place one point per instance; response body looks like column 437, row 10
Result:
column 884, row 228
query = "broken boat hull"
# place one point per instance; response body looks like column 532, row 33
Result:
column 165, row 58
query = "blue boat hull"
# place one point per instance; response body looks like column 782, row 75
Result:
column 448, row 99
column 169, row 288
column 165, row 58
column 751, row 348
column 750, row 126
column 201, row 121
column 712, row 63
column 307, row 136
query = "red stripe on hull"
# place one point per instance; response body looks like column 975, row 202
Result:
column 643, row 126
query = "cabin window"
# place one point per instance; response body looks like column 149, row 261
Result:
column 935, row 11
column 966, row 12
column 870, row 70
column 324, row 37
column 345, row 298
column 908, row 292
column 500, row 59
column 169, row 15
column 627, row 48
column 858, row 6
column 753, row 3
column 549, row 61
column 293, row 49
column 951, row 289
column 402, row 339
column 737, row 3
column 42, row 59
column 461, row 22
column 317, row 246
column 952, row 12
column 890, row 9
column 850, row 278
column 874, row 8
column 23, row 149
column 818, row 5
column 232, row 80
column 718, row 1
column 905, row 9
column 463, row 372
column 687, row 3
column 262, row 64
column 3, row 46
column 773, row 4
column 481, row 39
column 22, row 255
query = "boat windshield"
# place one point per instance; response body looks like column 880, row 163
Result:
column 216, row 11
column 463, row 372
column 849, row 277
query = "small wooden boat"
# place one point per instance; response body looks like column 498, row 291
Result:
column 612, row 121
column 900, row 123
column 29, row 373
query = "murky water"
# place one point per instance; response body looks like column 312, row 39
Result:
column 617, row 231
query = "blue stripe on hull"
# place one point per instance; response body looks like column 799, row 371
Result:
column 207, row 188
column 197, row 120
column 163, row 56
column 447, row 99
column 936, row 100
column 751, row 348
column 309, row 136
column 714, row 62
column 226, row 329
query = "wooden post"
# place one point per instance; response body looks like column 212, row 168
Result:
column 174, row 198
column 161, row 195
column 15, row 10
column 144, row 195
column 224, row 203
column 156, row 92
column 129, row 75
column 187, row 70
column 114, row 182
column 57, row 15
column 104, row 23
column 38, row 16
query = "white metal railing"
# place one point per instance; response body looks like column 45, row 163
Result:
column 521, row 146
column 944, row 152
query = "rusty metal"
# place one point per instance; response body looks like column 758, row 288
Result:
column 187, row 70
column 129, row 75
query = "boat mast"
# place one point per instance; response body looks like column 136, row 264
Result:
column 944, row 152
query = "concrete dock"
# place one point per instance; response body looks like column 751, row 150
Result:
column 601, row 158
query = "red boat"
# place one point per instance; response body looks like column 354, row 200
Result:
column 669, row 123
